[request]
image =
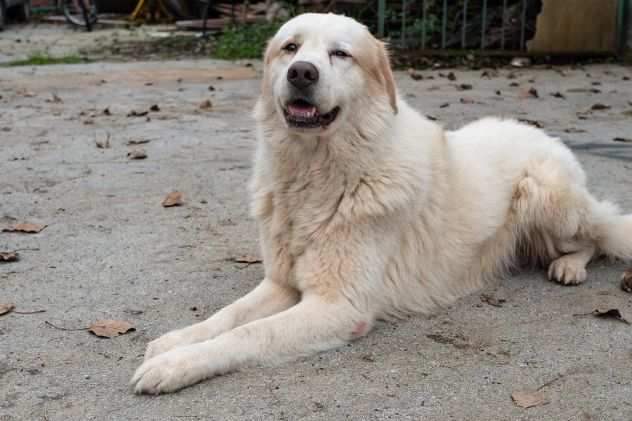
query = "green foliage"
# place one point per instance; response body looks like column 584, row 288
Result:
column 44, row 60
column 244, row 41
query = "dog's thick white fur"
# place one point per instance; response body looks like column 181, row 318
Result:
column 380, row 212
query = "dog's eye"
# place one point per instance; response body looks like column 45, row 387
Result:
column 340, row 53
column 290, row 48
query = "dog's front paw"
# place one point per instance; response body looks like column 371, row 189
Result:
column 567, row 271
column 167, row 373
column 165, row 343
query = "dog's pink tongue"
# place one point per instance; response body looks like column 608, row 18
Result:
column 302, row 111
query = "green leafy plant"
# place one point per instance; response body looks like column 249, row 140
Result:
column 244, row 41
column 44, row 60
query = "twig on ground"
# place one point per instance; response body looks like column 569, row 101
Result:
column 63, row 328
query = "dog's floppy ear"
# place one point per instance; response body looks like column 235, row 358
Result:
column 386, row 74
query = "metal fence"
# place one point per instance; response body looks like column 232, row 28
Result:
column 485, row 25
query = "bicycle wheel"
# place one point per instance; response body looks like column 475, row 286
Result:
column 81, row 12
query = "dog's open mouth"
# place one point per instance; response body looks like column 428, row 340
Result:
column 303, row 114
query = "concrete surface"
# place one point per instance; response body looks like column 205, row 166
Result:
column 148, row 42
column 111, row 251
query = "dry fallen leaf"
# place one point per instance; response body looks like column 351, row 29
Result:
column 154, row 108
column 104, row 144
column 574, row 130
column 612, row 313
column 55, row 99
column 138, row 142
column 9, row 256
column 600, row 107
column 464, row 87
column 137, row 154
column 247, row 258
column 528, row 399
column 533, row 123
column 626, row 280
column 6, row 308
column 492, row 301
column 529, row 93
column 623, row 139
column 206, row 104
column 110, row 328
column 134, row 113
column 173, row 199
column 25, row 227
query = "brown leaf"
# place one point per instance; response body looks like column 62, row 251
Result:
column 492, row 301
column 464, row 87
column 246, row 258
column 6, row 308
column 104, row 144
column 206, row 104
column 612, row 313
column 110, row 328
column 623, row 139
column 55, row 99
column 25, row 227
column 135, row 113
column 9, row 256
column 173, row 199
column 528, row 399
column 154, row 108
column 137, row 154
column 138, row 141
column 600, row 107
column 626, row 280
column 529, row 93
column 533, row 123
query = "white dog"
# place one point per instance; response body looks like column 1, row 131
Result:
column 368, row 210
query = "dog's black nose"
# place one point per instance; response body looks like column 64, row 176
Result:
column 302, row 74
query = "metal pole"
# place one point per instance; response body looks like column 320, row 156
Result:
column 622, row 19
column 464, row 28
column 381, row 12
column 424, row 23
column 444, row 23
column 502, row 38
column 484, row 24
column 524, row 24
column 403, row 34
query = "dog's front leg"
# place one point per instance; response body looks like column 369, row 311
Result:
column 266, row 299
column 315, row 324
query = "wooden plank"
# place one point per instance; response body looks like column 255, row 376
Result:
column 575, row 26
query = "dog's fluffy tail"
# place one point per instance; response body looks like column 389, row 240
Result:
column 615, row 235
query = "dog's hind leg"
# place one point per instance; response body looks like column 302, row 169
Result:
column 551, row 202
column 570, row 268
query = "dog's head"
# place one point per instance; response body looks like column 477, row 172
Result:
column 320, row 70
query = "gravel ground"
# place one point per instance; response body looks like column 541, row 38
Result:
column 111, row 251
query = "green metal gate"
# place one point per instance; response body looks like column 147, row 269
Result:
column 485, row 25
